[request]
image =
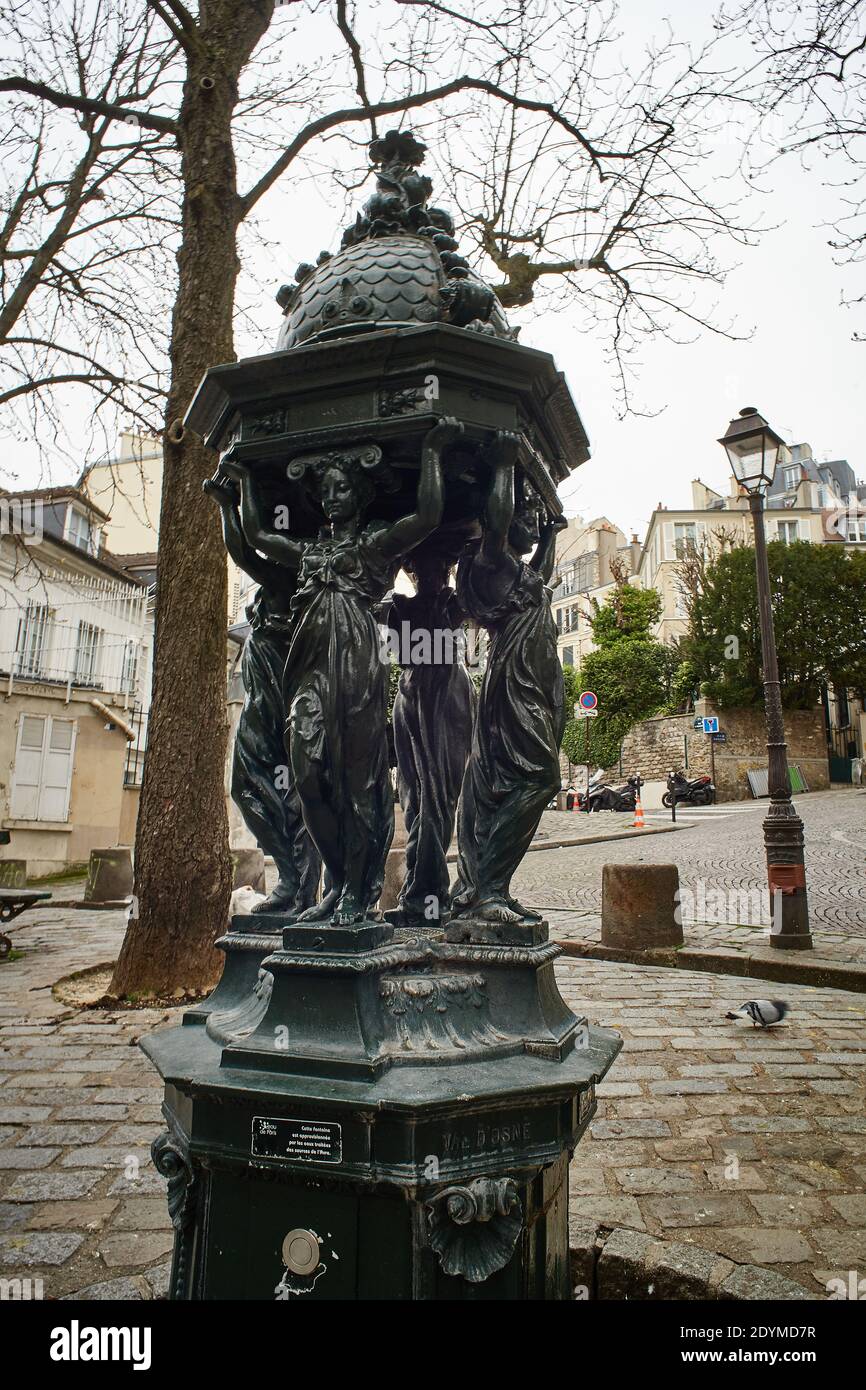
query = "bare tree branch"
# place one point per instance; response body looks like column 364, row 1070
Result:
column 149, row 120
column 184, row 31
column 357, row 60
column 348, row 115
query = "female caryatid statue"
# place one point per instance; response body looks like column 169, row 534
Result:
column 336, row 674
column 513, row 768
column 261, row 784
column 432, row 728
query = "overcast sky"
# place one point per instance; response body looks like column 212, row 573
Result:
column 798, row 364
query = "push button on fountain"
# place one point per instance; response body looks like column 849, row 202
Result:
column 301, row 1252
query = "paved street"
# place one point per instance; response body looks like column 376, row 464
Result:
column 749, row 1144
column 717, row 849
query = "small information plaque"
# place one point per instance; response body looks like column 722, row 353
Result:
column 297, row 1141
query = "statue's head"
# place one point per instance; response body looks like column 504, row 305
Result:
column 428, row 570
column 429, row 564
column 344, row 481
column 343, row 494
column 529, row 512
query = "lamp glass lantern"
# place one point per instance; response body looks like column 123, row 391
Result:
column 753, row 450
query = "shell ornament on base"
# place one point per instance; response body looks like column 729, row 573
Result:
column 474, row 1229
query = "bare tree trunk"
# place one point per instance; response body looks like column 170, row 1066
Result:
column 183, row 876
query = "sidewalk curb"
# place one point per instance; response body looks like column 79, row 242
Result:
column 593, row 839
column 823, row 974
column 623, row 1264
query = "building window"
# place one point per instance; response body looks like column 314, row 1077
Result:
column 31, row 646
column 787, row 531
column 559, row 620
column 585, row 573
column 130, row 667
column 857, row 528
column 567, row 580
column 79, row 531
column 568, row 656
column 792, row 477
column 685, row 538
column 826, row 496
column 87, row 654
column 570, row 617
column 42, row 776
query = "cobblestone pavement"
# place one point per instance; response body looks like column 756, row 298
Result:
column 830, row 948
column 719, row 851
column 749, row 1143
column 82, row 1208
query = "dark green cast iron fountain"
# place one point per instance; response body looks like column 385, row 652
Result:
column 383, row 1105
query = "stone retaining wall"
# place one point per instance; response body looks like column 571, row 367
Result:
column 655, row 746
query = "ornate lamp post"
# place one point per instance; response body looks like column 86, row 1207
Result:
column 753, row 451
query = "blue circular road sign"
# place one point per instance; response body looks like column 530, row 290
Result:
column 588, row 699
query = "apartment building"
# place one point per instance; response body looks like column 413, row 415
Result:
column 75, row 662
column 810, row 500
column 128, row 488
column 587, row 553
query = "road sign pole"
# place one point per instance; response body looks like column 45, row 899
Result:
column 586, row 757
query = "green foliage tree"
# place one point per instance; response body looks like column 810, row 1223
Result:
column 629, row 612
column 629, row 671
column 819, row 601
column 605, row 736
column 573, row 687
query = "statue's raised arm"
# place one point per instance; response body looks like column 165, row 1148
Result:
column 410, row 530
column 275, row 544
column 226, row 494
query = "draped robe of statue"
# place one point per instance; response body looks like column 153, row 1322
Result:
column 262, row 787
column 336, row 670
column 432, row 724
column 337, row 700
column 513, row 769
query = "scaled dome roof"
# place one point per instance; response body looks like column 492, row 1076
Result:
column 397, row 267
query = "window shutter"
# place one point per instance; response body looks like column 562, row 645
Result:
column 28, row 767
column 42, row 777
column 57, row 771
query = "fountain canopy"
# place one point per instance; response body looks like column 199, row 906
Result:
column 398, row 264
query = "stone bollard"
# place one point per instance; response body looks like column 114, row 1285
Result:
column 248, row 869
column 639, row 906
column 13, row 873
column 109, row 875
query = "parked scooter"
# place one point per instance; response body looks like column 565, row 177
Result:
column 624, row 798
column 595, row 782
column 700, row 791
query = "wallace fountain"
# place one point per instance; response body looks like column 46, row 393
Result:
column 384, row 1104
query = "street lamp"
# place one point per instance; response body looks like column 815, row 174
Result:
column 753, row 449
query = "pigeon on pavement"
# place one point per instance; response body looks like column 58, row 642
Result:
column 763, row 1012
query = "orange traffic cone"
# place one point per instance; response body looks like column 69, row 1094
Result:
column 638, row 822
